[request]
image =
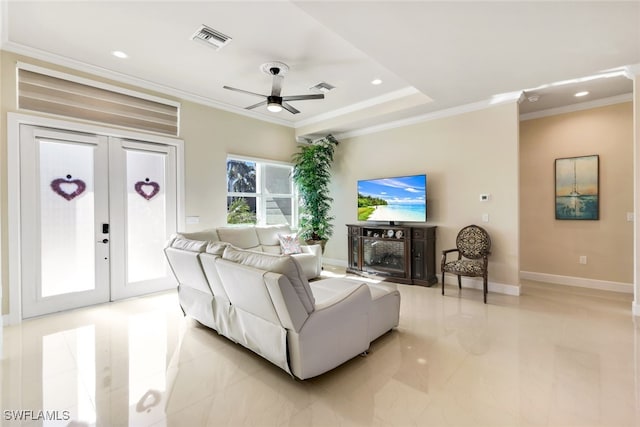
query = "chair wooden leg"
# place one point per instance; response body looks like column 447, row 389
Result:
column 443, row 283
column 485, row 288
column 459, row 282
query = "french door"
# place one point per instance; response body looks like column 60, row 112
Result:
column 95, row 212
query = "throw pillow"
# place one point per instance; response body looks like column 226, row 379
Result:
column 289, row 244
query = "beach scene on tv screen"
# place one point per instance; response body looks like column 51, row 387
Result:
column 393, row 199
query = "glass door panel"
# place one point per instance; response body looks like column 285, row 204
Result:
column 144, row 207
column 64, row 201
column 146, row 215
column 67, row 218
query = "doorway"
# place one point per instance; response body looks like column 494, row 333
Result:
column 95, row 210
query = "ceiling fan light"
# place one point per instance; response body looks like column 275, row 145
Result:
column 274, row 107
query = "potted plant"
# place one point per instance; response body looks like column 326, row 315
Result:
column 312, row 174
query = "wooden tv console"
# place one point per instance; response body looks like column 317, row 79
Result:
column 396, row 253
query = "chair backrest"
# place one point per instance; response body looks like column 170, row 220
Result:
column 473, row 242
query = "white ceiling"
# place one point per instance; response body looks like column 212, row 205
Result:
column 430, row 55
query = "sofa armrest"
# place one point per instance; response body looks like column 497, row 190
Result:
column 312, row 249
column 335, row 332
column 316, row 251
column 340, row 297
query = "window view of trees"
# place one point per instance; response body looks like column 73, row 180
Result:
column 239, row 212
column 259, row 192
column 241, row 176
column 241, row 181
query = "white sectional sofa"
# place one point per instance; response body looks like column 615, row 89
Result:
column 263, row 239
column 264, row 302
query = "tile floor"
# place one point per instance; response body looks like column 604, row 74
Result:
column 555, row 356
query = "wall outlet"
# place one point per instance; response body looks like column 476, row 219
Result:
column 630, row 216
column 485, row 217
column 582, row 259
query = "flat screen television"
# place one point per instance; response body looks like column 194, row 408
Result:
column 397, row 199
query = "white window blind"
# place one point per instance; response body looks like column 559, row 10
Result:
column 55, row 95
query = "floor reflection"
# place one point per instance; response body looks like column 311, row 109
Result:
column 550, row 357
column 104, row 365
column 69, row 373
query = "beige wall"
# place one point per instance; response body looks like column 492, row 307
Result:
column 463, row 156
column 553, row 246
column 209, row 135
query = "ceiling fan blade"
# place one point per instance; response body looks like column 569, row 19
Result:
column 259, row 104
column 244, row 91
column 302, row 97
column 276, row 88
column 289, row 108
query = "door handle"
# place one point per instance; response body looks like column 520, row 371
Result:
column 104, row 241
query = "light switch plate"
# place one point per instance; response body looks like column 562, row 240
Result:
column 193, row 220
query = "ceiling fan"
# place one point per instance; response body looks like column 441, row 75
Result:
column 275, row 102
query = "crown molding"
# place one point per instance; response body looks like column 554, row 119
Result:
column 135, row 81
column 512, row 97
column 619, row 99
column 371, row 102
column 631, row 71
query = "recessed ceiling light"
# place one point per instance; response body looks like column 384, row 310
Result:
column 583, row 93
column 376, row 82
column 119, row 54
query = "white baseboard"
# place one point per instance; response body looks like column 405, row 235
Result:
column 580, row 282
column 635, row 308
column 476, row 283
column 335, row 262
column 467, row 282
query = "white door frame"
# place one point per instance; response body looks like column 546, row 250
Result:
column 14, row 120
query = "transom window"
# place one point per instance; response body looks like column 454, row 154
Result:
column 260, row 192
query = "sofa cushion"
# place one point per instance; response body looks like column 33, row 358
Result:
column 189, row 245
column 268, row 234
column 240, row 237
column 289, row 244
column 204, row 235
column 216, row 248
column 282, row 264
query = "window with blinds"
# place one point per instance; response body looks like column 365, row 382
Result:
column 55, row 95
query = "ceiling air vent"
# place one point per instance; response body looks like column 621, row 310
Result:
column 211, row 37
column 322, row 87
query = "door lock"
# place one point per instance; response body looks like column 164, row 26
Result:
column 105, row 241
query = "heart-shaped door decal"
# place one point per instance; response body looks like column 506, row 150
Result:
column 67, row 187
column 147, row 189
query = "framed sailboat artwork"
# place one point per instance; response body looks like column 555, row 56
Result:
column 577, row 188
